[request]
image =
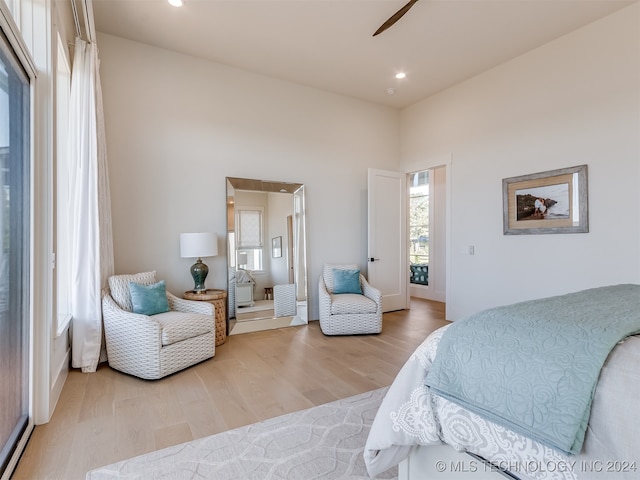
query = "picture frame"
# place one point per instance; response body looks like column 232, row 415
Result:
column 276, row 247
column 550, row 202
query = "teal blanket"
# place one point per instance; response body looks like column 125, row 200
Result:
column 533, row 367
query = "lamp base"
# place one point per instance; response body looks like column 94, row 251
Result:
column 199, row 272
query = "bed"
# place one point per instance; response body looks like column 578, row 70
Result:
column 447, row 436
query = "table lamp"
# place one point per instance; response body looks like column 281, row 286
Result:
column 198, row 245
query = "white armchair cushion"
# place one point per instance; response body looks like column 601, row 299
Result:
column 352, row 303
column 178, row 326
column 119, row 287
column 327, row 273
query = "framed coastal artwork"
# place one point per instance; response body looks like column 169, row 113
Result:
column 548, row 202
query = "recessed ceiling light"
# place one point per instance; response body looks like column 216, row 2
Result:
column 175, row 3
column 401, row 75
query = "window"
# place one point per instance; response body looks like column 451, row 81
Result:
column 62, row 261
column 419, row 227
column 14, row 250
column 250, row 231
column 13, row 6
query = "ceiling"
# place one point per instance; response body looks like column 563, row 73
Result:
column 328, row 44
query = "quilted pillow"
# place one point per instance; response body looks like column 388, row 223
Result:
column 149, row 299
column 119, row 287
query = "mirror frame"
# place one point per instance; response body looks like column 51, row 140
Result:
column 295, row 242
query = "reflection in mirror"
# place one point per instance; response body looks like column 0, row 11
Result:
column 266, row 252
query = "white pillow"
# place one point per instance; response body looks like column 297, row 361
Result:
column 119, row 286
column 327, row 273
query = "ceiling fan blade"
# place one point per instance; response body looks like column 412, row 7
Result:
column 395, row 17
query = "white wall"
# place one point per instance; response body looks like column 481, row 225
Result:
column 573, row 101
column 256, row 200
column 60, row 346
column 280, row 206
column 177, row 126
column 276, row 207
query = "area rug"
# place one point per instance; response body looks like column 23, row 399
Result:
column 324, row 442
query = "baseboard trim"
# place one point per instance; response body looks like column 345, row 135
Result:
column 58, row 383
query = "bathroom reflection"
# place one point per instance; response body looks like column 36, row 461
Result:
column 266, row 250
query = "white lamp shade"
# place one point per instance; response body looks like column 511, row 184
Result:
column 198, row 245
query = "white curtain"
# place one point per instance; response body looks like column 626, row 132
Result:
column 90, row 207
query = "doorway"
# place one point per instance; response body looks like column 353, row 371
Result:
column 427, row 233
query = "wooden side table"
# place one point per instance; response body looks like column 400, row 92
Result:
column 217, row 298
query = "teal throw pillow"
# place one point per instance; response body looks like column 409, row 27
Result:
column 149, row 299
column 346, row 281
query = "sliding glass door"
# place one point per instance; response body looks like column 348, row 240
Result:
column 14, row 251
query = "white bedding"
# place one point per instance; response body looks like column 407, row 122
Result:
column 410, row 415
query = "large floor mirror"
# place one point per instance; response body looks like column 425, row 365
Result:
column 266, row 251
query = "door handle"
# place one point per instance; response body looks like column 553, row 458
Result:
column 374, row 259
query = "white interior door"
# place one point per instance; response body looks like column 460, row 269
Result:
column 387, row 256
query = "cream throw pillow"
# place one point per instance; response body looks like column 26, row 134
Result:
column 119, row 286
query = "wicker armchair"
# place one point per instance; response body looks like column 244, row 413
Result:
column 153, row 347
column 348, row 313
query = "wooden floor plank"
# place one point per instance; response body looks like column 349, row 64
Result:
column 107, row 416
column 205, row 418
column 172, row 435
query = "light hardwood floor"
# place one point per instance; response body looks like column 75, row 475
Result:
column 105, row 417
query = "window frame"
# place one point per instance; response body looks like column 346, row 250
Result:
column 411, row 225
column 250, row 247
column 62, row 255
column 17, row 48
